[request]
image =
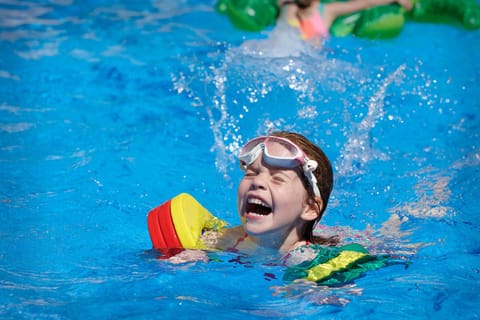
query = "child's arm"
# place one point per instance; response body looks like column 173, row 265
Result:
column 335, row 9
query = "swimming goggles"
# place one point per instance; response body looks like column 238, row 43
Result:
column 279, row 152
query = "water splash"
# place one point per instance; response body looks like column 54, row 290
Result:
column 359, row 150
column 247, row 83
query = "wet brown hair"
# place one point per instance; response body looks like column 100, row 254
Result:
column 324, row 175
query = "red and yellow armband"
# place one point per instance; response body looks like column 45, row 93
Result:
column 180, row 222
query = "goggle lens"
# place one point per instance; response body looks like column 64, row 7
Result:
column 283, row 149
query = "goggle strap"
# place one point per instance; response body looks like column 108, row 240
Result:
column 308, row 168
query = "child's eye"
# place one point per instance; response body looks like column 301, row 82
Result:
column 279, row 178
column 250, row 173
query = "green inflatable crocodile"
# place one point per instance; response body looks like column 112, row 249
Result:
column 379, row 22
column 250, row 15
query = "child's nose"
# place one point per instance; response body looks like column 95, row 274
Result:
column 259, row 182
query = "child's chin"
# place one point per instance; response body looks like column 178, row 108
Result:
column 253, row 229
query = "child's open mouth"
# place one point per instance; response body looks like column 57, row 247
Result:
column 257, row 206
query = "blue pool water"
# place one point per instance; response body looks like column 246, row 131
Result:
column 109, row 108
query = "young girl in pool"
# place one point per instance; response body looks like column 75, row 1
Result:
column 314, row 18
column 282, row 195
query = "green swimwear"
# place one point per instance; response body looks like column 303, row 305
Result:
column 332, row 265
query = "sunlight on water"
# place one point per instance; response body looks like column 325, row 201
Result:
column 109, row 109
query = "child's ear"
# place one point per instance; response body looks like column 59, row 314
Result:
column 312, row 209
